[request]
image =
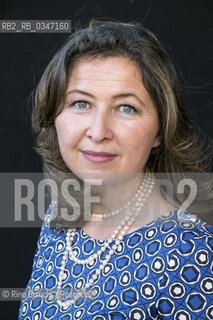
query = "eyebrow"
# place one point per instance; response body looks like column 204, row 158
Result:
column 121, row 95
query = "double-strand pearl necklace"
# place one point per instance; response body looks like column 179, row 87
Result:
column 140, row 198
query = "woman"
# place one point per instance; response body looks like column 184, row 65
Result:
column 109, row 117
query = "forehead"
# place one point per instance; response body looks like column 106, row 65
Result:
column 107, row 75
column 115, row 68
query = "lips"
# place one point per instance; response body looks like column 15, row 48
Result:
column 97, row 157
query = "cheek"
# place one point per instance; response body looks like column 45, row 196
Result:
column 68, row 131
column 140, row 136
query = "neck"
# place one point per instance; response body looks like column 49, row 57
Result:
column 112, row 196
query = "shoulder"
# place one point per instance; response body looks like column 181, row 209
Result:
column 184, row 224
column 190, row 229
column 188, row 246
column 47, row 233
column 183, row 233
column 187, row 283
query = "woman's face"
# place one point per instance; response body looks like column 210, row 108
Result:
column 109, row 123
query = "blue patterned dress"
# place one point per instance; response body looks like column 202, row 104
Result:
column 164, row 270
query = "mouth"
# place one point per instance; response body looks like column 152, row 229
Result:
column 97, row 157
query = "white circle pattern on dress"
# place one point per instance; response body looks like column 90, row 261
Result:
column 149, row 277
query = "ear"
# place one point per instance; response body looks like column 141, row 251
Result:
column 156, row 142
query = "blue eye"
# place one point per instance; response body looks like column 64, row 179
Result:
column 79, row 104
column 127, row 109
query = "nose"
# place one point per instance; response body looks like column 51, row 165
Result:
column 100, row 127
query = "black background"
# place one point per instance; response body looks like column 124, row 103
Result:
column 184, row 27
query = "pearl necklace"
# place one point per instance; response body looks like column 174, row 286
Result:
column 124, row 207
column 140, row 198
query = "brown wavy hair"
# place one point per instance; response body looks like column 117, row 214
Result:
column 180, row 150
